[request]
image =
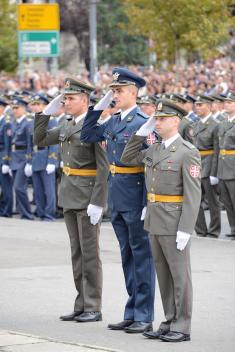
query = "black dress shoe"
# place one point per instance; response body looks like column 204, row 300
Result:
column 155, row 334
column 201, row 234
column 87, row 317
column 70, row 317
column 173, row 336
column 230, row 235
column 139, row 327
column 120, row 326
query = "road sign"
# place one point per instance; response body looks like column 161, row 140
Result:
column 38, row 17
column 38, row 44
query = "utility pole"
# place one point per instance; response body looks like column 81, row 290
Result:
column 93, row 40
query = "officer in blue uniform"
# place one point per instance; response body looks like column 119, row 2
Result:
column 44, row 165
column 5, row 171
column 21, row 153
column 127, row 198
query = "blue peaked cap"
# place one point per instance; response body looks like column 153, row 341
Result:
column 124, row 77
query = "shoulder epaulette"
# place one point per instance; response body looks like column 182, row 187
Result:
column 189, row 145
column 142, row 114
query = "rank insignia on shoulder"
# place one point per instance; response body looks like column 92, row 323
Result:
column 130, row 118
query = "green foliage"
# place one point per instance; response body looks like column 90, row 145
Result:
column 8, row 37
column 115, row 45
column 195, row 25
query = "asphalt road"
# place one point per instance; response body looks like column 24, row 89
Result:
column 37, row 287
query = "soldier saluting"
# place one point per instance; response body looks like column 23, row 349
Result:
column 82, row 194
column 172, row 175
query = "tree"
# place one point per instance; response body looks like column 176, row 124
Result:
column 8, row 37
column 115, row 44
column 194, row 25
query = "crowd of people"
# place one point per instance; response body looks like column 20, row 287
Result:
column 214, row 76
column 170, row 143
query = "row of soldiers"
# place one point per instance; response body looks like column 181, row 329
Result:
column 209, row 125
column 22, row 162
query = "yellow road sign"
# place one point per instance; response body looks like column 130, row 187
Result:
column 38, row 17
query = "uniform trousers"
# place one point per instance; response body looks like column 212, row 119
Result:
column 227, row 195
column 45, row 194
column 175, row 283
column 210, row 193
column 20, row 184
column 137, row 264
column 7, row 195
column 86, row 262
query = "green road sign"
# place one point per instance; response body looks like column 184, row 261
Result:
column 38, row 43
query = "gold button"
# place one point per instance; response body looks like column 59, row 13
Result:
column 69, row 142
column 138, row 183
column 152, row 189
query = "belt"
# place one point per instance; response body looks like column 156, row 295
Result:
column 164, row 198
column 18, row 147
column 125, row 170
column 206, row 152
column 78, row 172
column 227, row 152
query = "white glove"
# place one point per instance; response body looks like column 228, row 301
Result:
column 95, row 212
column 143, row 213
column 61, row 164
column 50, row 168
column 182, row 239
column 53, row 106
column 104, row 102
column 6, row 169
column 214, row 180
column 28, row 170
column 147, row 128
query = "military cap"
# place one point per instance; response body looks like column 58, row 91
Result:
column 73, row 86
column 39, row 98
column 146, row 99
column 16, row 101
column 3, row 102
column 189, row 98
column 166, row 108
column 124, row 77
column 217, row 97
column 178, row 98
column 203, row 99
column 230, row 96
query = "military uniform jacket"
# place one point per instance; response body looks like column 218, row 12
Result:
column 185, row 129
column 21, row 138
column 126, row 191
column 76, row 192
column 226, row 164
column 173, row 171
column 47, row 155
column 5, row 140
column 205, row 138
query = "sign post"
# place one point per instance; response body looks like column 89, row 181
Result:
column 38, row 30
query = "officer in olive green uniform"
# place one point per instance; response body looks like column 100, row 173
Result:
column 82, row 194
column 205, row 136
column 226, row 164
column 172, row 175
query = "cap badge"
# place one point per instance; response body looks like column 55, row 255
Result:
column 159, row 107
column 67, row 84
column 116, row 75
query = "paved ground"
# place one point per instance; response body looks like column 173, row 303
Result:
column 37, row 286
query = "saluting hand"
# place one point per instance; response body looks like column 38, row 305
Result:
column 147, row 128
column 104, row 102
column 53, row 106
